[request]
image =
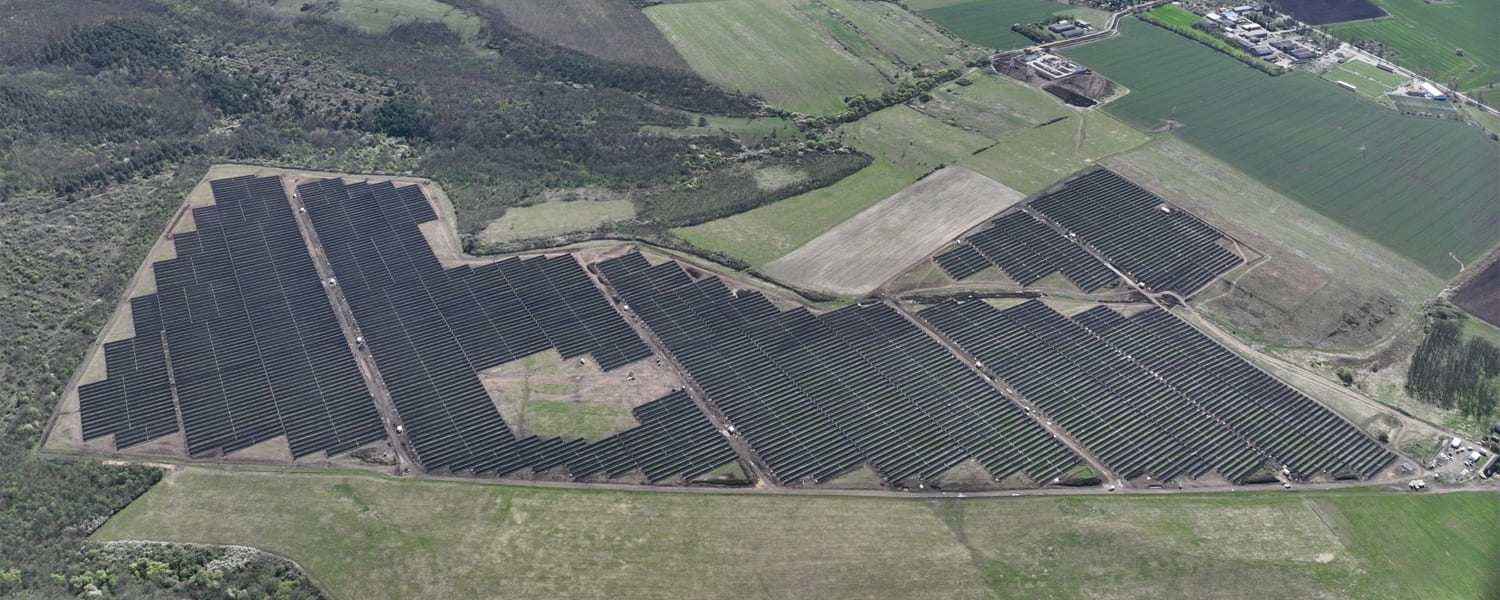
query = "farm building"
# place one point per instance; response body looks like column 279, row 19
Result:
column 1433, row 91
column 1301, row 53
column 1261, row 51
column 1071, row 33
column 1060, row 26
column 1244, row 9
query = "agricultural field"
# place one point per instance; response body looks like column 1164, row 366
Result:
column 555, row 217
column 1427, row 35
column 1322, row 12
column 987, row 22
column 1033, row 159
column 992, row 106
column 801, row 55
column 878, row 243
column 1481, row 295
column 379, row 16
column 1344, row 157
column 910, row 140
column 764, row 234
column 613, row 30
column 1319, row 284
column 1175, row 16
column 347, row 528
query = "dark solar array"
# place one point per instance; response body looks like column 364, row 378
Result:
column 431, row 329
column 818, row 395
column 1296, row 431
column 1165, row 250
column 1152, row 397
column 674, row 439
column 255, row 350
column 1026, row 250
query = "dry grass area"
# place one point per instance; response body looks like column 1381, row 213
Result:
column 872, row 247
column 608, row 29
column 547, row 395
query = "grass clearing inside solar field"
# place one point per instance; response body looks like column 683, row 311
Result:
column 1424, row 188
column 879, row 243
column 455, row 539
column 801, row 55
column 547, row 395
column 1426, row 35
column 613, row 30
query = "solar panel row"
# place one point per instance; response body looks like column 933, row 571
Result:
column 1160, row 246
column 431, row 329
column 252, row 346
column 816, row 396
column 1136, row 394
column 1026, row 250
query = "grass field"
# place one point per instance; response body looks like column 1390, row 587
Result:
column 910, row 139
column 1425, row 36
column 1175, row 16
column 1424, row 188
column 609, row 29
column 460, row 540
column 993, row 106
column 764, row 234
column 554, row 218
column 987, row 22
column 860, row 254
column 798, row 54
column 1366, row 78
column 1317, row 274
column 1033, row 159
column 378, row 16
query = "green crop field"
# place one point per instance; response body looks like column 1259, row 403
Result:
column 1426, row 35
column 910, row 139
column 1424, row 188
column 366, row 536
column 987, row 22
column 798, row 54
column 766, row 233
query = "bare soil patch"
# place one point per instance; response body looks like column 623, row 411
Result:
column 879, row 243
column 1481, row 295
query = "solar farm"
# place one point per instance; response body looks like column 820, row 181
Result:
column 386, row 344
column 1094, row 216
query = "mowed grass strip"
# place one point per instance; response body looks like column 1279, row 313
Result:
column 613, row 30
column 1427, row 35
column 1425, row 188
column 877, row 244
column 910, row 139
column 367, row 536
column 764, row 234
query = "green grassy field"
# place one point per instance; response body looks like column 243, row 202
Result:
column 378, row 16
column 1424, row 188
column 987, row 22
column 1425, row 36
column 766, row 233
column 1366, row 78
column 1033, row 159
column 798, row 54
column 993, row 106
column 909, row 139
column 367, row 536
column 1175, row 16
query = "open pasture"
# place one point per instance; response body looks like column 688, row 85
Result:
column 349, row 528
column 1424, row 188
column 910, row 139
column 1426, row 36
column 1032, row 159
column 608, row 29
column 555, row 217
column 877, row 244
column 992, row 106
column 987, row 22
column 797, row 54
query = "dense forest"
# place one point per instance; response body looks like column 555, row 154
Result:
column 1455, row 374
column 110, row 110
